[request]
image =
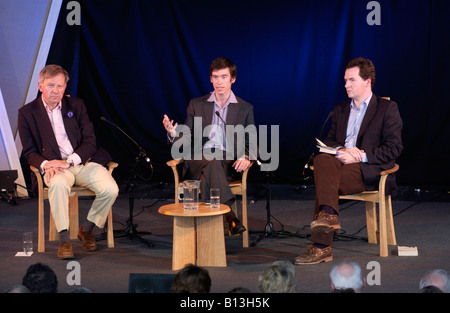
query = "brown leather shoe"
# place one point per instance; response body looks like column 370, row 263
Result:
column 65, row 251
column 325, row 223
column 314, row 255
column 87, row 237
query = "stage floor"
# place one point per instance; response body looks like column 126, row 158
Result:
column 422, row 219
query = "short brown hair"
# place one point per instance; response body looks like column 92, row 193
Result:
column 221, row 63
column 366, row 68
column 52, row 70
column 192, row 279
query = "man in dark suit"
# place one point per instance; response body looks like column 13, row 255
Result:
column 212, row 159
column 58, row 138
column 367, row 131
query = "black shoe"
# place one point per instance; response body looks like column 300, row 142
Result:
column 236, row 227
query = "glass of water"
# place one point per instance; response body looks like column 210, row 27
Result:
column 28, row 242
column 214, row 194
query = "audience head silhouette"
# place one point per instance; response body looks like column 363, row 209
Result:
column 192, row 279
column 40, row 278
column 278, row 278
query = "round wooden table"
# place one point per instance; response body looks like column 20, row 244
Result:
column 198, row 236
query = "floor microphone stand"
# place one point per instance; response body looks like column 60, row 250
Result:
column 130, row 229
column 269, row 229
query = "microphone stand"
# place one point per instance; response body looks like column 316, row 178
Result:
column 269, row 229
column 130, row 229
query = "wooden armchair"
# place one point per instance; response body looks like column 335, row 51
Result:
column 385, row 235
column 238, row 187
column 73, row 211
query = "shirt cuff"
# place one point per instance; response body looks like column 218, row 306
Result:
column 364, row 159
column 75, row 159
column 170, row 138
column 42, row 166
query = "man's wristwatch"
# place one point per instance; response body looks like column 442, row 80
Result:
column 69, row 161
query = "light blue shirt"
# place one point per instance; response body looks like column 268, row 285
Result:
column 217, row 136
column 354, row 123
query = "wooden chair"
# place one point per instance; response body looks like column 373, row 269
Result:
column 238, row 187
column 385, row 235
column 76, row 191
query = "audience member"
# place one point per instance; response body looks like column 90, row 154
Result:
column 278, row 278
column 346, row 278
column 40, row 278
column 239, row 290
column 192, row 279
column 430, row 289
column 437, row 278
column 17, row 289
column 81, row 290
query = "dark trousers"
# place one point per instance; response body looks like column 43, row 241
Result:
column 332, row 178
column 212, row 174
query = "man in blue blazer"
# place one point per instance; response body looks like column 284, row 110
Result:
column 367, row 133
column 58, row 138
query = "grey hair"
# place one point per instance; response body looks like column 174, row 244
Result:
column 437, row 278
column 52, row 70
column 351, row 280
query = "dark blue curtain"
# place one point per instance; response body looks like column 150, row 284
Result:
column 133, row 61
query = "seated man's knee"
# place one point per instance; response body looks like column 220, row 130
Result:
column 111, row 190
column 323, row 157
column 59, row 182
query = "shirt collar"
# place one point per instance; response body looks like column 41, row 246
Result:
column 364, row 104
column 231, row 98
column 58, row 107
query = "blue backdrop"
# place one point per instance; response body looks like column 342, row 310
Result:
column 133, row 61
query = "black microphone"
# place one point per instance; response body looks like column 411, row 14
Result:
column 320, row 136
column 323, row 125
column 246, row 149
column 141, row 150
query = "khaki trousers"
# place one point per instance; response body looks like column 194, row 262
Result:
column 93, row 176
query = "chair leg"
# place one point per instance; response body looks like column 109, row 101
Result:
column 383, row 230
column 41, row 227
column 371, row 220
column 74, row 223
column 244, row 220
column 52, row 233
column 110, row 231
column 391, row 240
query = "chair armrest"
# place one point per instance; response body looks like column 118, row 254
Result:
column 390, row 171
column 173, row 163
column 111, row 166
column 35, row 170
column 39, row 181
column 383, row 177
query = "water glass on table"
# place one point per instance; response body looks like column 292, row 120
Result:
column 214, row 194
column 28, row 243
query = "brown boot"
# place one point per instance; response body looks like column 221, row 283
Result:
column 87, row 237
column 325, row 223
column 65, row 251
column 314, row 255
